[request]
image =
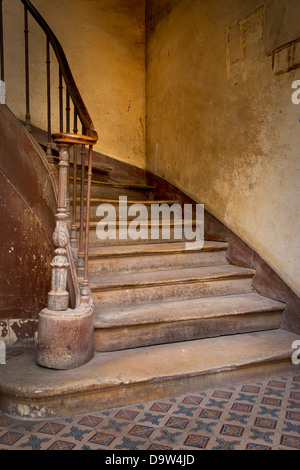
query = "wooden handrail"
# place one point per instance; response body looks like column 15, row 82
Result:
column 69, row 138
column 78, row 102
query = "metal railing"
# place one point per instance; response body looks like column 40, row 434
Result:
column 71, row 235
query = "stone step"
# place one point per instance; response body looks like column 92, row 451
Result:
column 132, row 376
column 99, row 175
column 105, row 233
column 175, row 284
column 113, row 190
column 160, row 256
column 184, row 320
column 119, row 210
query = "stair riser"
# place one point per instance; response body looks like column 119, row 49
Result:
column 175, row 291
column 110, row 192
column 114, row 339
column 156, row 262
column 171, row 235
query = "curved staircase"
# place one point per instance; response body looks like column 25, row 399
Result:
column 165, row 291
column 169, row 317
column 167, row 320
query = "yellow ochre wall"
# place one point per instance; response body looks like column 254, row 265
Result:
column 104, row 42
column 221, row 124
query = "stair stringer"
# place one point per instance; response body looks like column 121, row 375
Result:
column 266, row 280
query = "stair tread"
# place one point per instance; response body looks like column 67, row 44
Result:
column 78, row 179
column 96, row 168
column 151, row 223
column 157, row 248
column 205, row 273
column 115, row 184
column 146, row 365
column 96, row 200
column 183, row 310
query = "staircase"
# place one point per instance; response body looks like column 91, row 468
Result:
column 161, row 292
column 153, row 292
column 168, row 318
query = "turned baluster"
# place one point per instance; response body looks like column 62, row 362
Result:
column 85, row 283
column 68, row 109
column 88, row 203
column 74, row 239
column 80, row 265
column 60, row 93
column 49, row 144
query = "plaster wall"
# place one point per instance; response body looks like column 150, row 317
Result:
column 104, row 42
column 27, row 208
column 221, row 124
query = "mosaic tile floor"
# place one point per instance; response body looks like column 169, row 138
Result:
column 262, row 415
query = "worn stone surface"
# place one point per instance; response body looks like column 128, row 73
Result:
column 116, row 379
column 191, row 309
column 65, row 338
column 134, row 258
column 172, row 321
column 184, row 275
column 177, row 284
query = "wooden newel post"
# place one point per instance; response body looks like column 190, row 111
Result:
column 65, row 334
column 58, row 298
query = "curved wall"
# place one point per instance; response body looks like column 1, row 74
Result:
column 221, row 124
column 27, row 208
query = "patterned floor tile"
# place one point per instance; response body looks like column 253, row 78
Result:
column 263, row 415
